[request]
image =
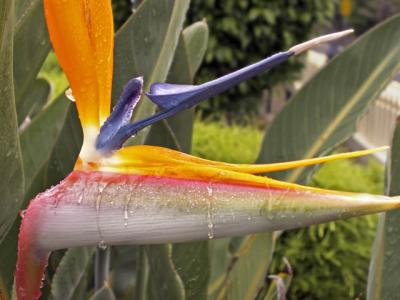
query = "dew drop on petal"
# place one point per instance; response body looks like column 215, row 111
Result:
column 22, row 213
column 80, row 199
column 69, row 95
column 210, row 224
column 125, row 216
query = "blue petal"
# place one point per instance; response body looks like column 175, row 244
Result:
column 121, row 114
column 173, row 98
column 167, row 96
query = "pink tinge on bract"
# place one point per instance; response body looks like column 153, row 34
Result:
column 32, row 261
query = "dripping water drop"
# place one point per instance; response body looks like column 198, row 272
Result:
column 80, row 199
column 125, row 216
column 22, row 213
column 210, row 224
column 210, row 190
column 210, row 231
column 102, row 245
column 69, row 95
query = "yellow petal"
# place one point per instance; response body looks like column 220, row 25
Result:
column 81, row 32
column 158, row 161
column 151, row 155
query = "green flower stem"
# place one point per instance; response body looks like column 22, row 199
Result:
column 101, row 267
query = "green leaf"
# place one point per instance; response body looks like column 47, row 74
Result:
column 31, row 45
column 186, row 268
column 34, row 100
column 66, row 148
column 324, row 112
column 8, row 260
column 124, row 263
column 145, row 46
column 195, row 38
column 70, row 271
column 39, row 139
column 105, row 293
column 220, row 259
column 244, row 276
column 12, row 178
column 384, row 272
column 165, row 284
column 188, row 56
column 191, row 262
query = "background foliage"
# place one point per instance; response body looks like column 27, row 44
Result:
column 244, row 32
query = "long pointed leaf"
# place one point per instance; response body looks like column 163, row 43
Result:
column 31, row 45
column 70, row 271
column 34, row 101
column 39, row 139
column 11, row 179
column 384, row 273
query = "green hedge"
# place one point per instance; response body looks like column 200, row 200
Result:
column 245, row 31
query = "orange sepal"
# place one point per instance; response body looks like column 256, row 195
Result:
column 82, row 36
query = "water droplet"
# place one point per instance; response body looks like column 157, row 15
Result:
column 210, row 190
column 80, row 199
column 102, row 245
column 22, row 213
column 69, row 95
column 210, row 224
column 126, row 216
column 210, row 231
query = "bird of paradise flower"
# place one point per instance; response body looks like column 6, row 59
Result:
column 146, row 194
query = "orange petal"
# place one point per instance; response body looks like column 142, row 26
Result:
column 81, row 32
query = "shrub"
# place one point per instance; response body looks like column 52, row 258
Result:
column 242, row 32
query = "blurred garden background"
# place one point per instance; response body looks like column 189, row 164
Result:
column 333, row 256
